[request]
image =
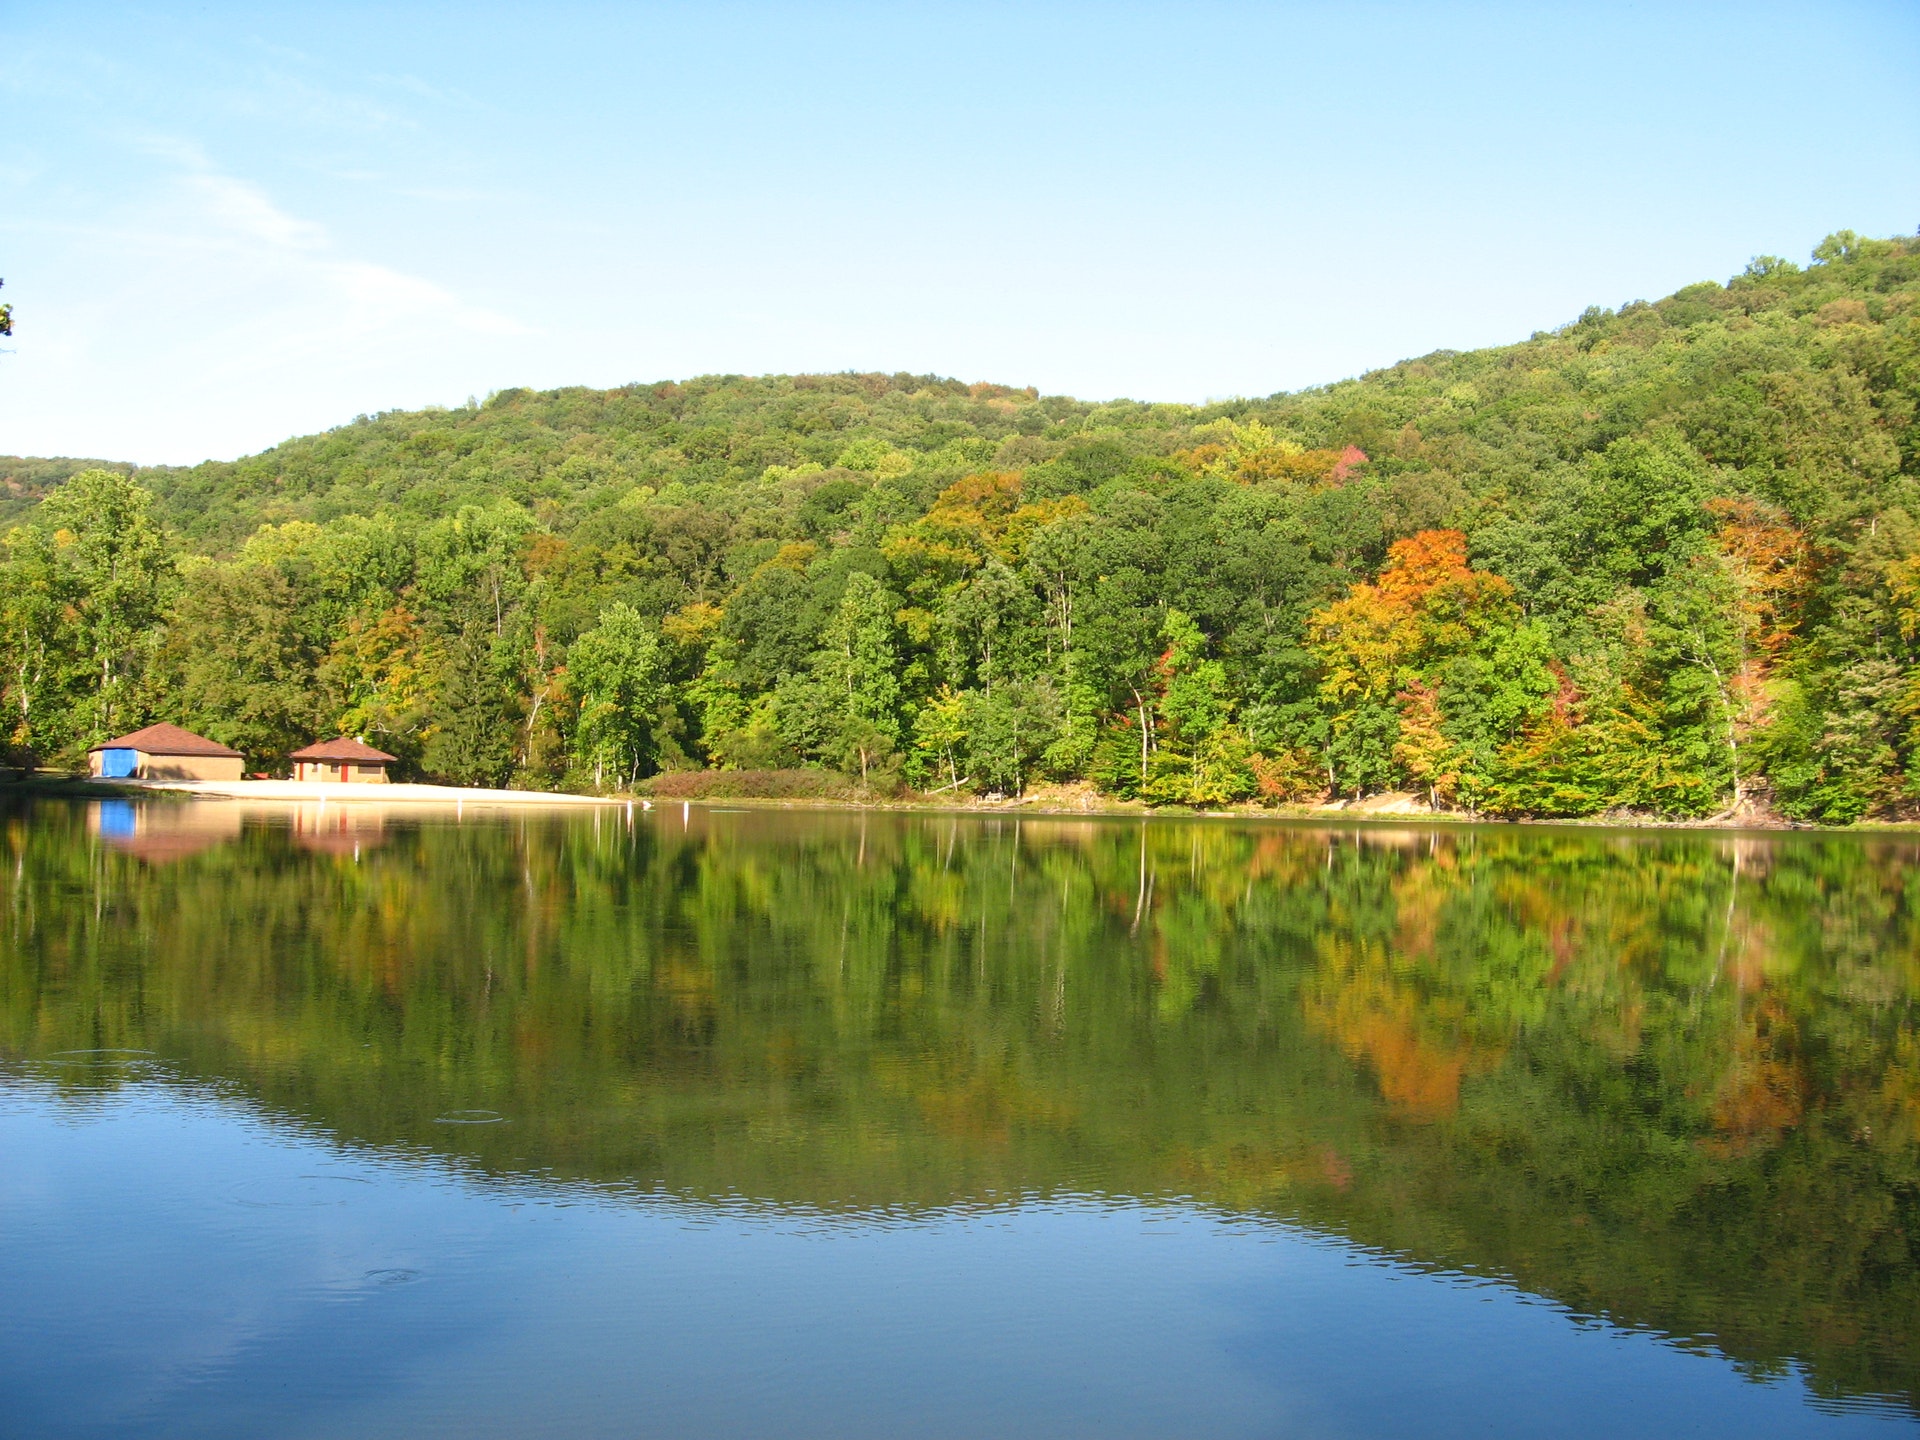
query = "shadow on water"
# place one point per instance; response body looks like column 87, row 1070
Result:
column 1667, row 1079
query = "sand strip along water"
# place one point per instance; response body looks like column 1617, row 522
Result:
column 333, row 792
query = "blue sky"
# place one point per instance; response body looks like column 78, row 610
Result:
column 222, row 225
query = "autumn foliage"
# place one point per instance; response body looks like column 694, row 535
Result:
column 1659, row 561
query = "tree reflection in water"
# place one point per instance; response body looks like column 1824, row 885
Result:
column 1671, row 1078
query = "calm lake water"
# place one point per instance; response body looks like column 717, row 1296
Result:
column 718, row 1123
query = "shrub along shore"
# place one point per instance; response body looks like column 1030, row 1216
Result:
column 1663, row 561
column 826, row 790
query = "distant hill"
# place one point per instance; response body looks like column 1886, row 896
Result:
column 25, row 482
column 1690, row 361
column 1747, row 452
column 569, row 451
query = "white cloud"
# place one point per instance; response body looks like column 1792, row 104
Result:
column 245, row 212
column 379, row 297
column 204, row 299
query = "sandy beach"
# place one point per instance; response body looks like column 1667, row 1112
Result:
column 333, row 793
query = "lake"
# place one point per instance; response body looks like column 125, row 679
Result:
column 350, row 1121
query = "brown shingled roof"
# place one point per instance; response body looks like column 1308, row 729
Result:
column 344, row 749
column 165, row 739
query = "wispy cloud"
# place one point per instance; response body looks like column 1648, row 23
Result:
column 195, row 292
column 244, row 212
column 294, row 259
column 377, row 296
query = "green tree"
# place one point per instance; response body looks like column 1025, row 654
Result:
column 104, row 535
column 941, row 728
column 1008, row 730
column 614, row 671
column 858, row 666
column 37, row 595
column 234, row 664
column 1200, row 759
column 472, row 739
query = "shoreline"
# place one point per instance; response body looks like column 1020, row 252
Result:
column 1053, row 803
column 334, row 793
column 1293, row 815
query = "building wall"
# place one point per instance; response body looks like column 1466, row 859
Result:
column 176, row 767
column 344, row 772
column 191, row 767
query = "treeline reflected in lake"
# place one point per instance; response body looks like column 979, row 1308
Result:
column 1668, row 1078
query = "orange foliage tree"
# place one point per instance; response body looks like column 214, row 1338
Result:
column 1385, row 652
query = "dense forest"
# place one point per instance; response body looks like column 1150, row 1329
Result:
column 1664, row 559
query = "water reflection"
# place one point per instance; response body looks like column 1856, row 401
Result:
column 162, row 834
column 1668, row 1079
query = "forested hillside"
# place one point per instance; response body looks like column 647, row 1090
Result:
column 1664, row 559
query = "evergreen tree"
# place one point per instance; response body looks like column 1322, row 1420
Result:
column 472, row 741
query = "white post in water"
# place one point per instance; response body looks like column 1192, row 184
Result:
column 686, row 812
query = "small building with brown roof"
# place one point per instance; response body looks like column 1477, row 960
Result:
column 165, row 752
column 345, row 761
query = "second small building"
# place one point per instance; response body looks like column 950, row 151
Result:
column 344, row 761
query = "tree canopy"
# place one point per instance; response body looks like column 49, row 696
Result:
column 1664, row 558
